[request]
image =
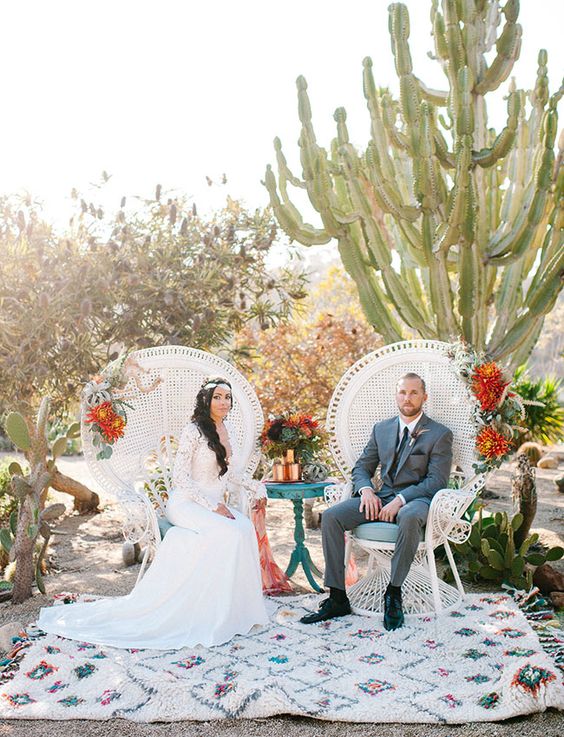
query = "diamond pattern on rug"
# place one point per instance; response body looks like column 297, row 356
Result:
column 480, row 662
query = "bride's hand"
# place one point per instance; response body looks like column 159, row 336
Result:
column 224, row 511
column 259, row 504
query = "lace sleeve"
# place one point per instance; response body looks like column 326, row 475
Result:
column 244, row 491
column 182, row 472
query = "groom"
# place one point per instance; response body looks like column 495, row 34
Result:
column 415, row 457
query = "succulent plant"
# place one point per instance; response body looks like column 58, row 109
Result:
column 426, row 224
column 313, row 472
column 491, row 553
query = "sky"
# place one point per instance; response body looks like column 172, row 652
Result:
column 174, row 91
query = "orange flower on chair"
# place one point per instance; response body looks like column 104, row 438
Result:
column 110, row 423
column 488, row 385
column 491, row 444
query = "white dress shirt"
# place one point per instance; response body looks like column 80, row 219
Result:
column 410, row 429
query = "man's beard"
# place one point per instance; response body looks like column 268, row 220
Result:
column 410, row 411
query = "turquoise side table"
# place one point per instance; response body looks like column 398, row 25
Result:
column 297, row 492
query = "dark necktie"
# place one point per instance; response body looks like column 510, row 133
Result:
column 399, row 451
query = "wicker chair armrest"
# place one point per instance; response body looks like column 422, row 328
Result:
column 445, row 516
column 139, row 517
column 336, row 493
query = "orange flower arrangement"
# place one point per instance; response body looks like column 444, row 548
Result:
column 498, row 412
column 106, row 414
column 295, row 431
column 491, row 444
column 489, row 385
column 110, row 423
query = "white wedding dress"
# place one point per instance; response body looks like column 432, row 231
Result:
column 204, row 585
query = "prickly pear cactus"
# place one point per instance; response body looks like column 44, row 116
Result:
column 30, row 521
column 448, row 227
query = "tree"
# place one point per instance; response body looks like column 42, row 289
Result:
column 298, row 364
column 475, row 218
column 155, row 275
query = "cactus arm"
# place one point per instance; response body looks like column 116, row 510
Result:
column 284, row 171
column 489, row 156
column 290, row 219
column 453, row 35
column 427, row 175
column 435, row 97
column 542, row 295
column 508, row 300
column 385, row 191
column 508, row 48
column 521, row 331
column 439, row 34
column 554, row 238
column 525, row 232
column 439, row 288
column 396, row 137
column 446, row 157
column 458, row 205
column 395, row 289
column 521, row 355
column 377, row 127
column 409, row 242
column 370, row 293
column 398, row 23
column 539, row 301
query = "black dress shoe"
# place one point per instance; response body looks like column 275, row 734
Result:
column 328, row 609
column 393, row 612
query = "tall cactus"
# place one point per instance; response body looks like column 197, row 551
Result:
column 447, row 228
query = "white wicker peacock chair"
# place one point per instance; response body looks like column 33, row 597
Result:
column 139, row 471
column 366, row 395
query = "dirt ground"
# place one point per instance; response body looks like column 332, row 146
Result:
column 86, row 557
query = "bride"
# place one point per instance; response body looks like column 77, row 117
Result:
column 204, row 585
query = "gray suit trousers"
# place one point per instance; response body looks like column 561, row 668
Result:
column 346, row 516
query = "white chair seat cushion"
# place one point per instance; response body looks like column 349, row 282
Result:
column 382, row 532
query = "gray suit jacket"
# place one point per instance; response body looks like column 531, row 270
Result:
column 424, row 466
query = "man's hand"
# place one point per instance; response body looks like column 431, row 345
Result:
column 370, row 504
column 259, row 504
column 390, row 511
column 224, row 511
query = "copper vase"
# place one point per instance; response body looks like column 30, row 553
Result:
column 287, row 470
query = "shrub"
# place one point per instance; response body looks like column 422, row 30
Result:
column 544, row 421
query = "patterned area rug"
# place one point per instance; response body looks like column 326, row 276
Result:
column 482, row 662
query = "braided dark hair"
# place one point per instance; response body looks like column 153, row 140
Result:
column 202, row 419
